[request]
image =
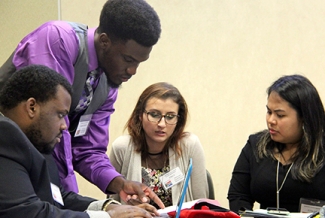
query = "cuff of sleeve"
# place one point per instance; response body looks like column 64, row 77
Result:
column 108, row 202
column 98, row 214
column 106, row 180
column 97, row 205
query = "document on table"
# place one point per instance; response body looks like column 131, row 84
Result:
column 185, row 205
column 263, row 213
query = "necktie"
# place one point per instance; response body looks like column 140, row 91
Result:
column 87, row 93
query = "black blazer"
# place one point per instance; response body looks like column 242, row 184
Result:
column 25, row 189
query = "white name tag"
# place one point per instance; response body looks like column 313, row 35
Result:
column 171, row 178
column 56, row 194
column 83, row 125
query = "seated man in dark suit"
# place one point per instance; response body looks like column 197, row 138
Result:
column 33, row 104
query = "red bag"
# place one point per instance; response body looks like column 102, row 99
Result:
column 205, row 209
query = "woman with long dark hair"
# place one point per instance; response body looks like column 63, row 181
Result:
column 283, row 163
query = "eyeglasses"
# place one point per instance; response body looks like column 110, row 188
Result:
column 156, row 117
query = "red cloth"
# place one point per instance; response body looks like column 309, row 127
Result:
column 205, row 210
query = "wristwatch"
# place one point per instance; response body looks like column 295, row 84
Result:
column 108, row 202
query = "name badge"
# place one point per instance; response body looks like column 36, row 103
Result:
column 83, row 125
column 310, row 205
column 56, row 194
column 171, row 178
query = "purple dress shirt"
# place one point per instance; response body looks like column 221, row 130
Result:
column 55, row 44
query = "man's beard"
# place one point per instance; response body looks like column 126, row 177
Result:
column 111, row 84
column 35, row 137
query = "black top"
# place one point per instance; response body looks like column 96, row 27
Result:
column 25, row 189
column 256, row 181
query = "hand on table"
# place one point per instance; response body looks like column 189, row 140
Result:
column 133, row 190
column 125, row 211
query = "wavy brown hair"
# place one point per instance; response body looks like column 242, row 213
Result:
column 161, row 90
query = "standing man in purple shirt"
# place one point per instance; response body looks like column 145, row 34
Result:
column 95, row 61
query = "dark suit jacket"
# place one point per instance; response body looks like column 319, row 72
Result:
column 25, row 189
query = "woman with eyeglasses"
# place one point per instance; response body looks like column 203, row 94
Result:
column 285, row 162
column 157, row 150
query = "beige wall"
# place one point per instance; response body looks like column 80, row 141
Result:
column 222, row 55
column 17, row 18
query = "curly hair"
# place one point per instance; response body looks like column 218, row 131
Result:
column 37, row 81
column 130, row 19
column 303, row 97
column 164, row 91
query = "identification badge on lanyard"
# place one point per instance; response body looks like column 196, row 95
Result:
column 83, row 125
column 171, row 178
column 56, row 194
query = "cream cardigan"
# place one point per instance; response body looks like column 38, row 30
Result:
column 128, row 162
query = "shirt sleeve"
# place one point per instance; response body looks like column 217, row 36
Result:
column 239, row 194
column 98, row 214
column 89, row 151
column 54, row 44
column 94, row 210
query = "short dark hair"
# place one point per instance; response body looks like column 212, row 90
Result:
column 37, row 81
column 130, row 19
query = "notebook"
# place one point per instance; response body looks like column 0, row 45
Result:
column 180, row 202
